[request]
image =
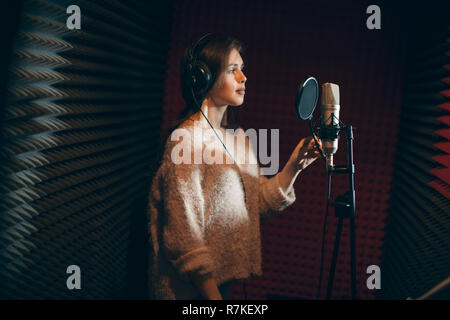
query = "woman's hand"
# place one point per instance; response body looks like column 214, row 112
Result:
column 208, row 288
column 304, row 154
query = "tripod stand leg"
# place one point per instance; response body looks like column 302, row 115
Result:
column 353, row 256
column 334, row 259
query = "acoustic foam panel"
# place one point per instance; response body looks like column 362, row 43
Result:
column 417, row 247
column 79, row 129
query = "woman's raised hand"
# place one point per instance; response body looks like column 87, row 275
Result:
column 304, row 153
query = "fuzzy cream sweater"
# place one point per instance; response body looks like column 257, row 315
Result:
column 205, row 218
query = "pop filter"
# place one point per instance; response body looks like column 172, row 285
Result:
column 305, row 103
column 306, row 98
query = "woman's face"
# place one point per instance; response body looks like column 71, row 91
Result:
column 231, row 83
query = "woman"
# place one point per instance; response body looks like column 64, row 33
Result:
column 205, row 217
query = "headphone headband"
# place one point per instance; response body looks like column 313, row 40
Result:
column 194, row 48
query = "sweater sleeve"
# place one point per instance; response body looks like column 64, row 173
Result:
column 272, row 198
column 183, row 228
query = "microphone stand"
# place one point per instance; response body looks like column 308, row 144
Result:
column 344, row 205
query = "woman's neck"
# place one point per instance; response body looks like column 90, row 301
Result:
column 214, row 113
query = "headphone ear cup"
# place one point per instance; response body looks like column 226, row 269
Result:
column 201, row 78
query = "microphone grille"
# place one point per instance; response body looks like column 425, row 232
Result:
column 330, row 93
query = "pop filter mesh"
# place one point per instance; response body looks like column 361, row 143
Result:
column 306, row 99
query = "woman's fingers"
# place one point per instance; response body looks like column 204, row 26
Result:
column 308, row 151
column 319, row 147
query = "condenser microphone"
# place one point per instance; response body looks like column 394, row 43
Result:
column 329, row 120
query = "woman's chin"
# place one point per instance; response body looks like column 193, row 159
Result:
column 237, row 103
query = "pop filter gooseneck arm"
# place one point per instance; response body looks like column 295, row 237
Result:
column 305, row 103
column 311, row 127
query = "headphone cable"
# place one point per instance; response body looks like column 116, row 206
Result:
column 200, row 108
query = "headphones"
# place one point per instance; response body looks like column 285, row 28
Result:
column 198, row 77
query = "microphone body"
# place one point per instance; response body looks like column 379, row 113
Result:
column 329, row 122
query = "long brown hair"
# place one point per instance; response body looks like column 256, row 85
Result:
column 214, row 53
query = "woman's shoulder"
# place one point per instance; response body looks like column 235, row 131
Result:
column 184, row 139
